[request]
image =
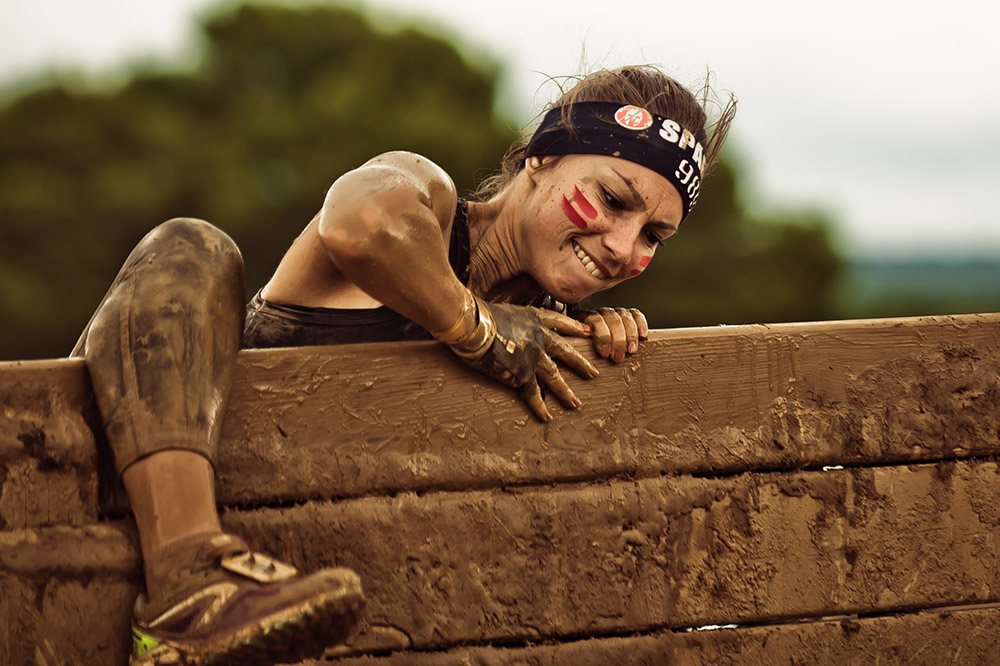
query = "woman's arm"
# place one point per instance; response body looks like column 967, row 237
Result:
column 383, row 226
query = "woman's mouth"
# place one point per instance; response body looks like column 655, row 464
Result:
column 588, row 262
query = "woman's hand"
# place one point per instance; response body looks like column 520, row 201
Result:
column 524, row 342
column 615, row 331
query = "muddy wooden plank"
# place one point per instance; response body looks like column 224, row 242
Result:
column 970, row 636
column 446, row 569
column 47, row 452
column 370, row 419
column 66, row 594
column 65, row 622
column 352, row 421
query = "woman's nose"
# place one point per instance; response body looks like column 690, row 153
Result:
column 620, row 239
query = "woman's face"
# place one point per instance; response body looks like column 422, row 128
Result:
column 592, row 222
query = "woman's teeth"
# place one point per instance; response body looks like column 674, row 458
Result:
column 588, row 263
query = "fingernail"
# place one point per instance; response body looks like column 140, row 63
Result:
column 576, row 402
column 632, row 347
column 606, row 350
column 619, row 357
column 587, row 329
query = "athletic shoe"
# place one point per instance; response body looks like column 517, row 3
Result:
column 230, row 606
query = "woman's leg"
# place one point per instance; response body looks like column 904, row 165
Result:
column 172, row 494
column 161, row 350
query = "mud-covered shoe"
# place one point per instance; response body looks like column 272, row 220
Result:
column 218, row 603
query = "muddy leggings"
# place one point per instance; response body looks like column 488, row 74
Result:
column 162, row 345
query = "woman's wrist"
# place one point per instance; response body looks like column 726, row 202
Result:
column 479, row 340
column 464, row 325
column 473, row 332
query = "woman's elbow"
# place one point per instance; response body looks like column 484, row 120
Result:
column 351, row 236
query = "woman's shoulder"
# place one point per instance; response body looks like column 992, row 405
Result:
column 395, row 177
column 411, row 166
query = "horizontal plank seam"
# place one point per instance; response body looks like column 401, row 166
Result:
column 652, row 630
column 576, row 481
column 828, row 466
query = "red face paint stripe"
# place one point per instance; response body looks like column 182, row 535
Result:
column 645, row 261
column 585, row 206
column 573, row 216
column 634, row 272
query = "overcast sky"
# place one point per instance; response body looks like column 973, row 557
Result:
column 882, row 113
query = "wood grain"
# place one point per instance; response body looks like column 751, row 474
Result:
column 444, row 569
column 359, row 420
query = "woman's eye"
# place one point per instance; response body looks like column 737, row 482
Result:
column 611, row 201
column 653, row 239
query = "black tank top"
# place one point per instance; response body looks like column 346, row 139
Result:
column 275, row 325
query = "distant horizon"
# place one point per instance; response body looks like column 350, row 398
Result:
column 927, row 259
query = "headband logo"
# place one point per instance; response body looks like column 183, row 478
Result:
column 634, row 118
column 672, row 132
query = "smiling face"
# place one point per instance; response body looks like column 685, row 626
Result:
column 592, row 222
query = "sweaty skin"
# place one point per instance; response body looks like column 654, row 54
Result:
column 378, row 240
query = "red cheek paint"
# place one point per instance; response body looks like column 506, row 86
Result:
column 642, row 262
column 585, row 206
column 572, row 215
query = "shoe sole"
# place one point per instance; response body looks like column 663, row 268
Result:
column 289, row 636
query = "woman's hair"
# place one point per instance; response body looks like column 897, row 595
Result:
column 644, row 86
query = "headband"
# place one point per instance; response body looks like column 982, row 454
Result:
column 629, row 132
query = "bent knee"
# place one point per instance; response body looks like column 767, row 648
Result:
column 199, row 237
column 197, row 232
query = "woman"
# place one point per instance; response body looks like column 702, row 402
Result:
column 610, row 174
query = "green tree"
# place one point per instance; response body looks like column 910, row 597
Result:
column 283, row 101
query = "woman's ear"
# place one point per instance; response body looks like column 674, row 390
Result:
column 534, row 165
column 531, row 167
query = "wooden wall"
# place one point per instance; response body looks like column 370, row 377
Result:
column 824, row 492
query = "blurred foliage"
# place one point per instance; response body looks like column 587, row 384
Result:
column 920, row 286
column 282, row 102
column 726, row 267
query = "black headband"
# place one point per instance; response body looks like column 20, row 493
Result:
column 629, row 132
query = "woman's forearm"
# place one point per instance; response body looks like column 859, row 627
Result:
column 386, row 235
